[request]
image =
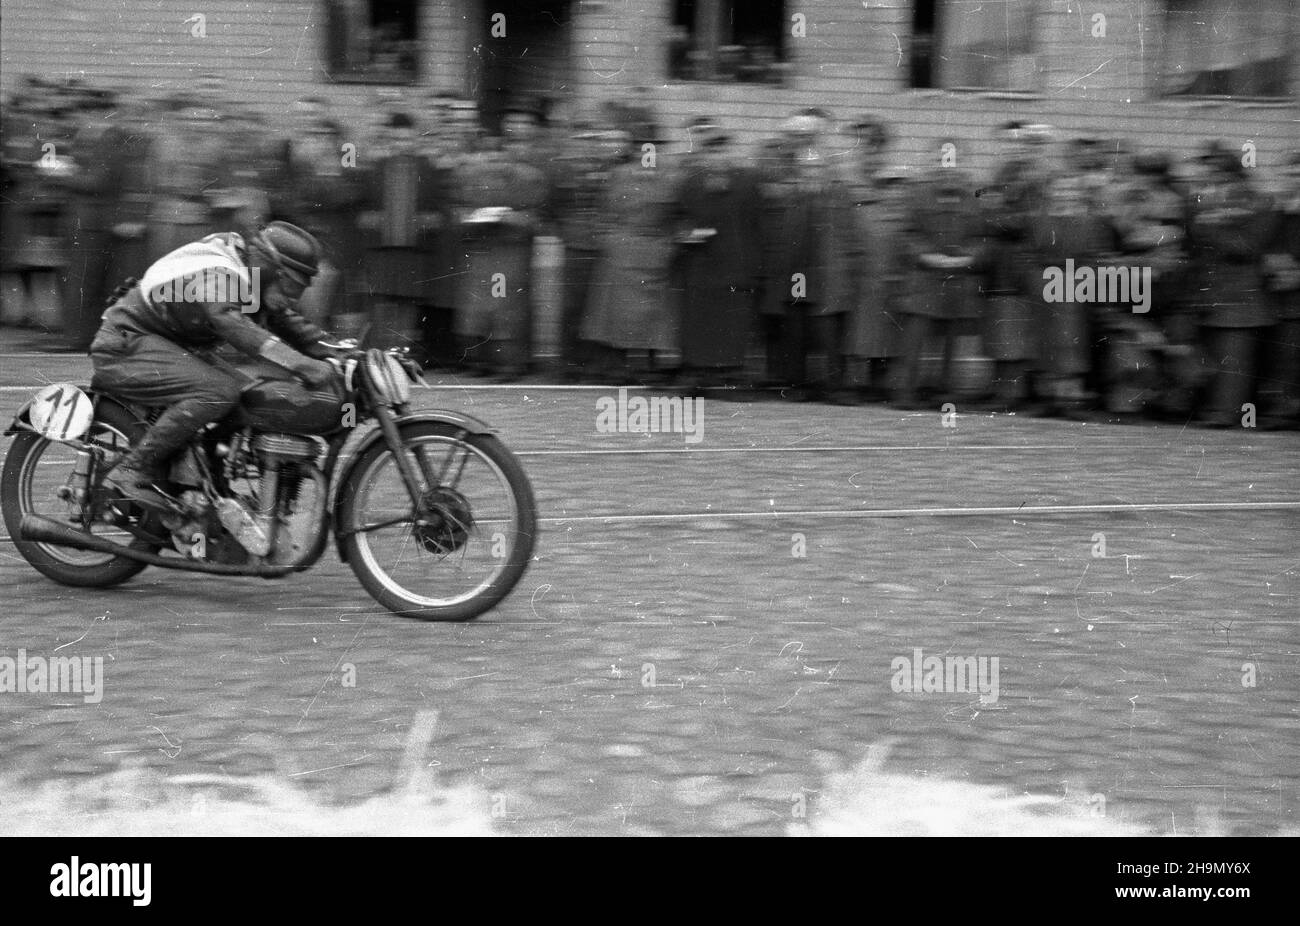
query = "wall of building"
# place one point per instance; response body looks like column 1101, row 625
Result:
column 853, row 59
column 270, row 53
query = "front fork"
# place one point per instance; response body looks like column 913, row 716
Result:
column 410, row 477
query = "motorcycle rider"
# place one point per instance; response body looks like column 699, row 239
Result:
column 157, row 342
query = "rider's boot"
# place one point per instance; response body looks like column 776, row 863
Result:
column 142, row 473
column 139, row 480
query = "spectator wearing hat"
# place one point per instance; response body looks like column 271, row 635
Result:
column 319, row 193
column 877, row 275
column 719, row 258
column 942, row 288
column 1228, row 231
column 581, row 172
column 1010, row 283
column 189, row 162
column 95, row 186
column 775, row 169
column 134, row 176
column 405, row 206
column 1072, row 224
column 809, row 253
column 629, row 315
column 450, row 141
column 1151, row 360
column 501, row 198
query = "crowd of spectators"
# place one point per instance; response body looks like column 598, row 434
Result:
column 1085, row 276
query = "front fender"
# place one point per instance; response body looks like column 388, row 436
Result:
column 342, row 469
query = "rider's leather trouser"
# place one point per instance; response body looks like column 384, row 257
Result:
column 150, row 370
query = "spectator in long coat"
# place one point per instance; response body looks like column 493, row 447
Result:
column 1152, row 362
column 809, row 250
column 630, row 310
column 878, row 220
column 1073, row 223
column 95, row 185
column 942, row 289
column 1282, row 280
column 450, row 145
column 38, row 150
column 581, row 173
column 719, row 260
column 322, row 188
column 1010, row 281
column 502, row 199
column 190, row 161
column 129, row 245
column 1229, row 229
column 405, row 206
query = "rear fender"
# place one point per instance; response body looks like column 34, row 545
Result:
column 23, row 420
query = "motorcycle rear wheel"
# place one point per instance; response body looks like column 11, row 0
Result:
column 18, row 496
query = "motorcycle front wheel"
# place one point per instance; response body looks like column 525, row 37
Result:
column 469, row 547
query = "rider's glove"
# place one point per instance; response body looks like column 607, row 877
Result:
column 312, row 372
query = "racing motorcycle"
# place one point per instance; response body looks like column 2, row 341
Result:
column 431, row 511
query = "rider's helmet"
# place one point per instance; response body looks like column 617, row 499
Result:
column 284, row 249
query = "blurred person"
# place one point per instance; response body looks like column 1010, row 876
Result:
column 1282, row 282
column 501, row 197
column 1072, row 225
column 579, row 189
column 38, row 165
column 95, row 185
column 719, row 259
column 807, row 289
column 1228, row 230
column 629, row 314
column 450, row 141
column 1151, row 361
column 321, row 191
column 190, row 160
column 1010, row 281
column 943, row 242
column 405, row 204
column 878, row 220
column 775, row 171
column 129, row 244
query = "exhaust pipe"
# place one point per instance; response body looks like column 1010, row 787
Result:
column 44, row 530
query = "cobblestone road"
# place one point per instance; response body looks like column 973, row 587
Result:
column 1120, row 676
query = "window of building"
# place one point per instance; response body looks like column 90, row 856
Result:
column 1228, row 48
column 728, row 40
column 973, row 44
column 372, row 41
